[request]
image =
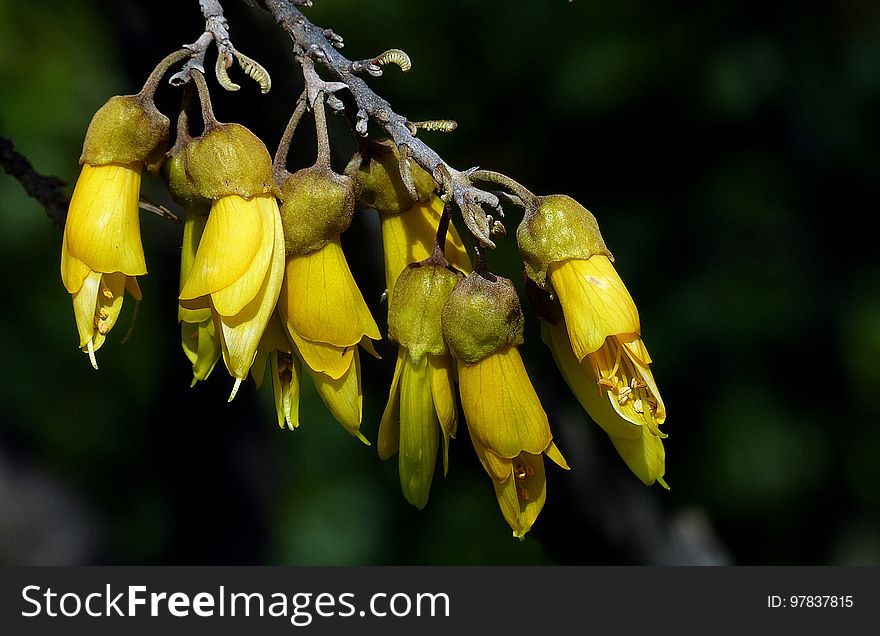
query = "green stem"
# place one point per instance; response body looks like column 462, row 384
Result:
column 152, row 83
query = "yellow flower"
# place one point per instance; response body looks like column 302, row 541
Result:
column 421, row 402
column 510, row 431
column 483, row 325
column 637, row 444
column 237, row 274
column 199, row 337
column 409, row 237
column 326, row 318
column 101, row 251
column 593, row 330
column 603, row 327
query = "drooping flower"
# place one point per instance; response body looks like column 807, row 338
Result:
column 239, row 265
column 408, row 225
column 198, row 331
column 421, row 403
column 483, row 326
column 101, row 252
column 320, row 305
column 592, row 327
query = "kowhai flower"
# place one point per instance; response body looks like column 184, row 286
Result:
column 239, row 265
column 320, row 305
column 421, row 403
column 101, row 252
column 594, row 332
column 483, row 326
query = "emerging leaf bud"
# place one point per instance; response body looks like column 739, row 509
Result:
column 229, row 160
column 380, row 184
column 126, row 130
column 481, row 316
column 316, row 205
column 414, row 313
column 560, row 228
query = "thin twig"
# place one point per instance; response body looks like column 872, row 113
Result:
column 47, row 190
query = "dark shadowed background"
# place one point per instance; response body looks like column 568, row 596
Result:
column 730, row 153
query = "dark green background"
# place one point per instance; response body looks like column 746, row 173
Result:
column 730, row 153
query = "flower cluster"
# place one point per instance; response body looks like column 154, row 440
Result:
column 265, row 284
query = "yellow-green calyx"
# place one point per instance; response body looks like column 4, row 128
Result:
column 481, row 316
column 380, row 186
column 229, row 160
column 316, row 205
column 126, row 130
column 414, row 313
column 558, row 229
column 180, row 184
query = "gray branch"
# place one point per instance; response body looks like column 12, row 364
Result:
column 321, row 45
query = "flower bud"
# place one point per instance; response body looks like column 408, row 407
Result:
column 380, row 185
column 481, row 316
column 415, row 309
column 560, row 228
column 126, row 130
column 316, row 205
column 229, row 160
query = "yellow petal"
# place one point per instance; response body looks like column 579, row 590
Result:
column 645, row 456
column 638, row 447
column 388, row 439
column 442, row 377
column 193, row 227
column 522, row 497
column 594, row 300
column 229, row 300
column 500, row 404
column 132, row 287
column 73, row 270
column 103, row 227
column 419, row 433
column 322, row 302
column 408, row 237
column 343, row 397
column 230, row 241
column 498, row 468
column 286, row 379
column 85, row 301
column 629, row 384
column 208, row 352
column 520, row 486
column 240, row 334
column 322, row 357
column 109, row 305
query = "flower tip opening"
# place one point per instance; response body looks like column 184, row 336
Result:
column 663, row 483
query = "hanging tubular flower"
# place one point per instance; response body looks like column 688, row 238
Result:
column 408, row 225
column 198, row 333
column 101, row 252
column 594, row 329
column 483, row 326
column 320, row 305
column 239, row 265
column 421, row 403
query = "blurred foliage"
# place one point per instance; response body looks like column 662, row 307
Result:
column 730, row 153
